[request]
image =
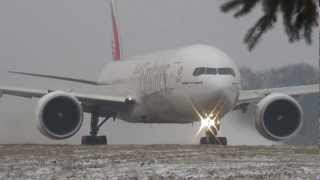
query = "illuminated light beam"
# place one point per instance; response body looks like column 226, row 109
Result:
column 211, row 120
column 205, row 123
column 208, row 121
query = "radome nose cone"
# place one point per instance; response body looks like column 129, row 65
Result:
column 223, row 84
column 227, row 90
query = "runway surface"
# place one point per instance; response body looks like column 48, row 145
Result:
column 158, row 162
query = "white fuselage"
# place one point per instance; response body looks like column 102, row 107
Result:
column 171, row 86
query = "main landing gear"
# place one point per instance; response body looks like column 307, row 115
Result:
column 93, row 138
column 212, row 138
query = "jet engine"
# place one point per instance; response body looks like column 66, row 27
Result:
column 60, row 115
column 278, row 117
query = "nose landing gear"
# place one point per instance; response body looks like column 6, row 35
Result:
column 93, row 138
column 212, row 138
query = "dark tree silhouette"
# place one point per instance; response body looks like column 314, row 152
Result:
column 299, row 17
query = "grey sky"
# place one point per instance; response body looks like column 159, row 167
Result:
column 73, row 38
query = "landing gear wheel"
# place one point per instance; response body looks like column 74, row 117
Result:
column 94, row 140
column 223, row 140
column 214, row 140
column 204, row 140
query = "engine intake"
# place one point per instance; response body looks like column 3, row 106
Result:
column 60, row 115
column 278, row 117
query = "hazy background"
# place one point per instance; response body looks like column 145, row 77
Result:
column 73, row 38
column 289, row 75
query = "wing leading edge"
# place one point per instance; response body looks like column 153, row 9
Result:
column 87, row 100
column 83, row 81
column 250, row 96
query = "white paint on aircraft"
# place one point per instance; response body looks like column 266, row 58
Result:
column 183, row 85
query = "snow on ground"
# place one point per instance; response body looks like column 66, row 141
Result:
column 158, row 162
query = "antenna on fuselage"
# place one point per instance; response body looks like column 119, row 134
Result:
column 116, row 43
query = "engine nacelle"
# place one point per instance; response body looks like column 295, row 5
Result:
column 60, row 115
column 278, row 117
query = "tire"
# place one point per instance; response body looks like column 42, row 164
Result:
column 204, row 140
column 94, row 140
column 223, row 140
column 214, row 140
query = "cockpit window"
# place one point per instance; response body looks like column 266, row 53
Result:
column 213, row 71
column 226, row 71
column 198, row 71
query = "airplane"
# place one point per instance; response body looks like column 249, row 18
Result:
column 197, row 83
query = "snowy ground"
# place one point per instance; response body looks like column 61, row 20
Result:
column 158, row 162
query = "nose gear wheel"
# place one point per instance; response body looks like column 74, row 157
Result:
column 212, row 138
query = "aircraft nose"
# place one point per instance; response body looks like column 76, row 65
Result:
column 227, row 88
column 224, row 84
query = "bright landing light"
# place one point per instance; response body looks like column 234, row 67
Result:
column 210, row 122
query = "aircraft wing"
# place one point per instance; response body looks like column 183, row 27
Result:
column 63, row 78
column 251, row 96
column 87, row 100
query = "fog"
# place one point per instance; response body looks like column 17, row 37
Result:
column 73, row 38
